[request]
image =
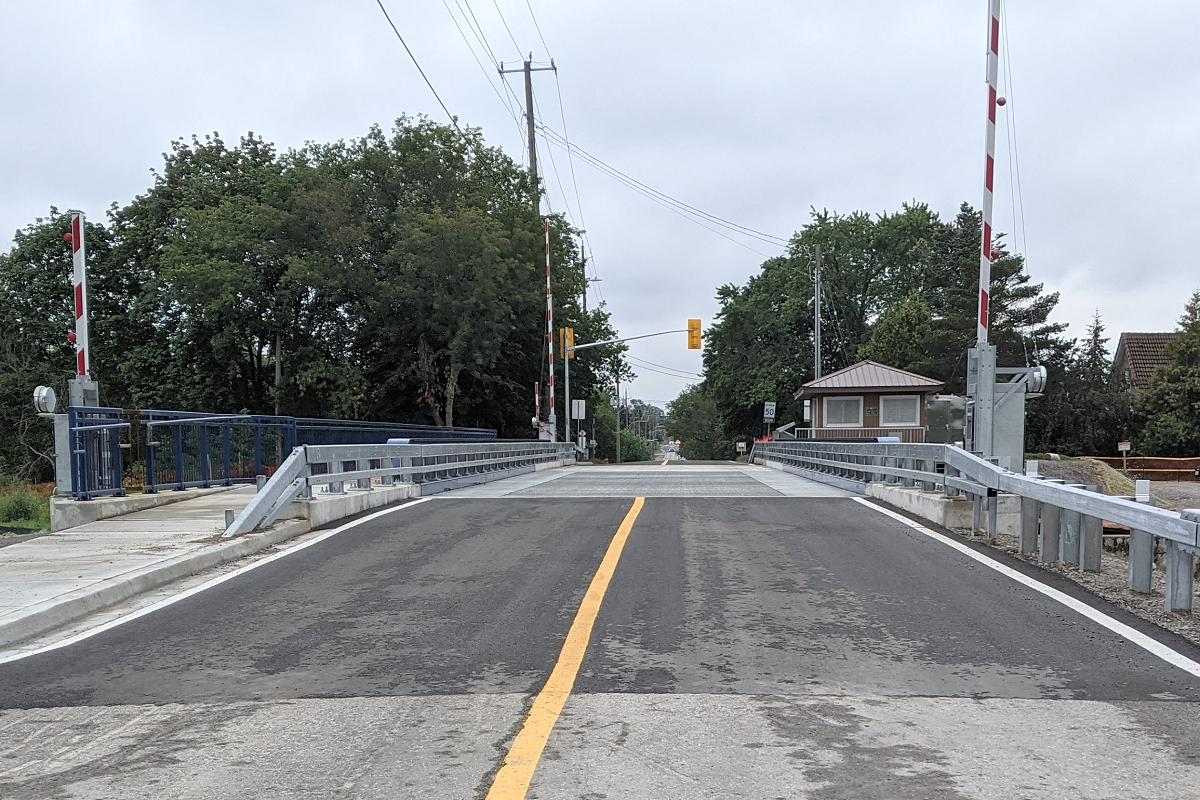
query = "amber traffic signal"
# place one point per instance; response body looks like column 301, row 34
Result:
column 693, row 334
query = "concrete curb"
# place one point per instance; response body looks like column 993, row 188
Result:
column 59, row 611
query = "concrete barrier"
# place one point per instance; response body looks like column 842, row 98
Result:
column 949, row 512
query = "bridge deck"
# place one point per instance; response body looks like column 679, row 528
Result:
column 757, row 640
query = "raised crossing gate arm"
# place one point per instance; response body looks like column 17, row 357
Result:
column 368, row 465
column 1048, row 507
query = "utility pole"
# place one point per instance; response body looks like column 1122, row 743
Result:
column 618, row 375
column 530, row 125
column 817, row 318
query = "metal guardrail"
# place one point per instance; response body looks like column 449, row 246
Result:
column 94, row 438
column 366, row 466
column 1059, row 522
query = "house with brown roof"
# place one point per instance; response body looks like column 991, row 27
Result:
column 867, row 400
column 1140, row 355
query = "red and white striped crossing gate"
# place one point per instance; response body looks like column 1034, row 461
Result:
column 83, row 354
column 989, row 172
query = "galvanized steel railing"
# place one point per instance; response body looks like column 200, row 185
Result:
column 1059, row 521
column 438, row 467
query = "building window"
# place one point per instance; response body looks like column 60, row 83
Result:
column 843, row 412
column 900, row 410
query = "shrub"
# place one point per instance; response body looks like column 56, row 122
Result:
column 23, row 505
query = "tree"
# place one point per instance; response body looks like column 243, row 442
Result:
column 695, row 420
column 1169, row 409
column 901, row 337
column 899, row 287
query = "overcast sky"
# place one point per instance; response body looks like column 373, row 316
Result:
column 751, row 112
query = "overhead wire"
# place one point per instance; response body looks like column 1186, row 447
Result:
column 762, row 236
column 537, row 27
column 645, row 362
column 417, row 64
column 1011, row 116
column 486, row 75
column 552, row 136
column 512, row 38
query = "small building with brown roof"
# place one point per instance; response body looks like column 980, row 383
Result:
column 866, row 400
column 1140, row 355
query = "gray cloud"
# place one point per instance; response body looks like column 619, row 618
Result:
column 754, row 112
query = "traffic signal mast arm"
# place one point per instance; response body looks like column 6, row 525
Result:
column 693, row 331
column 626, row 339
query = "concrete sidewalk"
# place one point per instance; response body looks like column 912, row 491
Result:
column 53, row 580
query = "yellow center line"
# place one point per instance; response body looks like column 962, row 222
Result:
column 515, row 774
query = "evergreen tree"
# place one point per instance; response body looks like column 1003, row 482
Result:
column 1169, row 410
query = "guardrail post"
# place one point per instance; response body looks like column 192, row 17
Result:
column 1141, row 561
column 1030, row 517
column 364, row 483
column 993, row 507
column 1048, row 545
column 1091, row 541
column 1141, row 547
column 1071, row 521
column 1181, row 566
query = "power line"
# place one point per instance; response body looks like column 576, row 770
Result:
column 486, row 74
column 512, row 38
column 644, row 362
column 551, row 136
column 417, row 64
column 596, row 161
column 533, row 16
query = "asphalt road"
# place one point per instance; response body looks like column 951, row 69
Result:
column 752, row 646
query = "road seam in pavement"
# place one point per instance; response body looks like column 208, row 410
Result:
column 515, row 774
column 141, row 612
column 1130, row 634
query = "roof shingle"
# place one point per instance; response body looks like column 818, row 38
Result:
column 868, row 376
column 1140, row 355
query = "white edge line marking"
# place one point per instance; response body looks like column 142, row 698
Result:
column 1133, row 635
column 150, row 609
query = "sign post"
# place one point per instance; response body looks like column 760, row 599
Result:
column 1124, row 448
column 768, row 415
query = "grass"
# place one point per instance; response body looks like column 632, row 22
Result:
column 22, row 508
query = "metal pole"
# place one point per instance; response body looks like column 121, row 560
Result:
column 817, row 318
column 83, row 354
column 566, row 391
column 618, row 412
column 552, row 414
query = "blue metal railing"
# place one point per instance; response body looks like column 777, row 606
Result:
column 187, row 449
column 183, row 449
column 94, row 436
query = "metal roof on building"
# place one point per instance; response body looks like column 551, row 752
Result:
column 1140, row 355
column 868, row 376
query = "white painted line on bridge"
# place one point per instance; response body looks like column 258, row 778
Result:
column 1150, row 645
column 141, row 612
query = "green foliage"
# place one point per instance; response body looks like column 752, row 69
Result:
column 1169, row 410
column 397, row 276
column 898, row 288
column 23, row 508
column 901, row 337
column 695, row 420
column 635, row 448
